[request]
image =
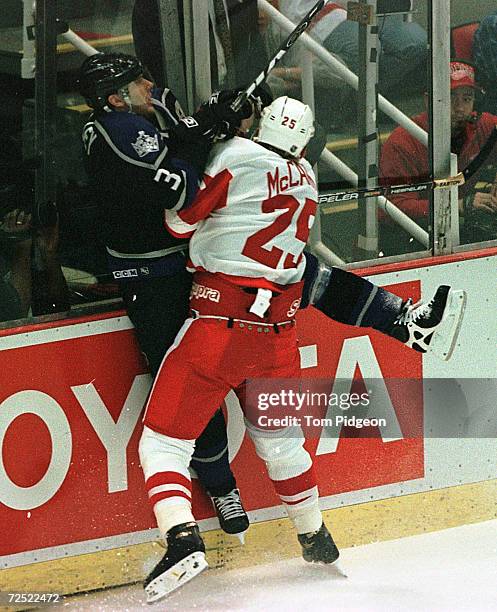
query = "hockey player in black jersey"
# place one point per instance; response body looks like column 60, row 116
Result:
column 144, row 156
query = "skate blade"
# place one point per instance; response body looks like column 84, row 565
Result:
column 241, row 536
column 445, row 337
column 338, row 569
column 176, row 576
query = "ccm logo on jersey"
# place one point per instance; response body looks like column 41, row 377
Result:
column 293, row 308
column 125, row 273
column 207, row 293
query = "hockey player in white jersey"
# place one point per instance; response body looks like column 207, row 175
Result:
column 249, row 225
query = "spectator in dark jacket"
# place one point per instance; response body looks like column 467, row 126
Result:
column 485, row 59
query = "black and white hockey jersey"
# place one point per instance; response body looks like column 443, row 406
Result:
column 138, row 172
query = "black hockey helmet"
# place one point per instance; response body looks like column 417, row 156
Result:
column 103, row 74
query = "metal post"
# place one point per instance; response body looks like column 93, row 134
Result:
column 28, row 45
column 79, row 43
column 172, row 49
column 189, row 66
column 367, row 240
column 45, row 101
column 201, row 52
column 439, row 112
column 308, row 98
column 342, row 71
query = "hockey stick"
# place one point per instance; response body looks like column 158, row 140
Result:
column 301, row 27
column 372, row 192
column 487, row 153
column 466, row 178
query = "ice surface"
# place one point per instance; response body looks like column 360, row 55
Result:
column 454, row 569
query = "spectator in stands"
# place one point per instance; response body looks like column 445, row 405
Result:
column 405, row 160
column 402, row 54
column 32, row 281
column 15, row 265
column 49, row 288
column 485, row 59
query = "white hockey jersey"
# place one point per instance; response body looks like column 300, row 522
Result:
column 252, row 215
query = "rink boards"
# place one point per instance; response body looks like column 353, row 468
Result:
column 73, row 511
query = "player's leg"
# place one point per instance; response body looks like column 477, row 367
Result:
column 165, row 460
column 166, row 447
column 158, row 308
column 291, row 471
column 353, row 300
column 211, row 463
column 288, row 463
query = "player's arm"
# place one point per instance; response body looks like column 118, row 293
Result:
column 167, row 107
column 212, row 196
column 141, row 159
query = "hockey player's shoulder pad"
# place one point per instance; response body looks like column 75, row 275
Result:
column 132, row 137
column 237, row 152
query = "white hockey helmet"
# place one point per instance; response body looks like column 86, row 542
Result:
column 287, row 125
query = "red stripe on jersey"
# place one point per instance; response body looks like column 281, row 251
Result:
column 162, row 478
column 296, row 485
column 187, row 234
column 212, row 197
column 246, row 281
column 177, row 234
column 295, row 502
column 168, row 494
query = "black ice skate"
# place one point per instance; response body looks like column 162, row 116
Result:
column 184, row 559
column 318, row 546
column 232, row 517
column 432, row 327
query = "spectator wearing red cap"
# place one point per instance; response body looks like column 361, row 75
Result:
column 405, row 160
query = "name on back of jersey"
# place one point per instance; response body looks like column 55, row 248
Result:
column 296, row 176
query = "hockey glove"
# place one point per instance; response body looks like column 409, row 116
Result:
column 215, row 120
column 261, row 97
column 225, row 120
column 220, row 103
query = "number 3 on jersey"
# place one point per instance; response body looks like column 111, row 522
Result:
column 254, row 245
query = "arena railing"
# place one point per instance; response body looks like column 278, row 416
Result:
column 342, row 71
